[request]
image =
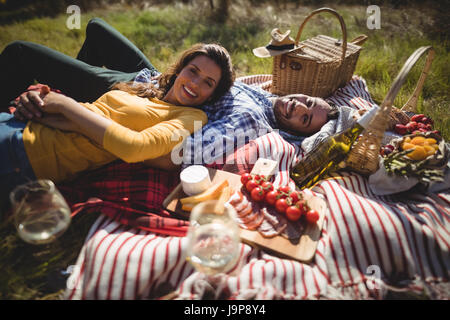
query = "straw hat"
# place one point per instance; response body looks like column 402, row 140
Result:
column 280, row 43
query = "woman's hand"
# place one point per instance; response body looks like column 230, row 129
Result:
column 45, row 107
column 29, row 106
column 33, row 104
column 59, row 111
column 58, row 121
column 55, row 103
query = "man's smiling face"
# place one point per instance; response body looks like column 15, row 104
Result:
column 301, row 114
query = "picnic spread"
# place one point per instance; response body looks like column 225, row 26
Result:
column 368, row 244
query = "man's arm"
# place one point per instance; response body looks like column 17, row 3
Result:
column 220, row 137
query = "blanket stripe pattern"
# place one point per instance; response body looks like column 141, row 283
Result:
column 369, row 247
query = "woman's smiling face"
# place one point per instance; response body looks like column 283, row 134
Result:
column 301, row 114
column 196, row 82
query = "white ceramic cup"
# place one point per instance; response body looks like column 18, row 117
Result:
column 195, row 179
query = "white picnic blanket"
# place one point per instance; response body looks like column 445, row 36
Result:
column 368, row 244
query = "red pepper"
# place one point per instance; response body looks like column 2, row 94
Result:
column 400, row 129
column 418, row 117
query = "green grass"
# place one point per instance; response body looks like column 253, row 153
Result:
column 161, row 32
column 33, row 271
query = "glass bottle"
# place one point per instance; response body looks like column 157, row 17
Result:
column 328, row 154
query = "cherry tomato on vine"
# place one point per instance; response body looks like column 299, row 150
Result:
column 285, row 189
column 312, row 216
column 267, row 186
column 250, row 185
column 271, row 197
column 294, row 195
column 281, row 205
column 257, row 194
column 293, row 213
column 245, row 177
column 282, row 195
column 301, row 204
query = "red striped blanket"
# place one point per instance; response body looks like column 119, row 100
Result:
column 369, row 245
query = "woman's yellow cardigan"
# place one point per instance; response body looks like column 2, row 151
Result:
column 142, row 129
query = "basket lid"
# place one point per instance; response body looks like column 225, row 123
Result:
column 323, row 49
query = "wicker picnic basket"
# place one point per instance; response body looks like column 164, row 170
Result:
column 317, row 66
column 364, row 156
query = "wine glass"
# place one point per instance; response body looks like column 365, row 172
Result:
column 213, row 238
column 213, row 243
column 40, row 212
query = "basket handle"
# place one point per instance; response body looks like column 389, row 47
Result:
column 341, row 21
column 359, row 40
column 401, row 77
column 411, row 104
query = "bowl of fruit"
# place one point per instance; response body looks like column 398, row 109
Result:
column 423, row 155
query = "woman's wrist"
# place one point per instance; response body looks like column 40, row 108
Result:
column 86, row 122
column 67, row 105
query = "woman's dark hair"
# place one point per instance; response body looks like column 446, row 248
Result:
column 215, row 52
column 334, row 112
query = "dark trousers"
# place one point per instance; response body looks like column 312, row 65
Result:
column 15, row 168
column 105, row 58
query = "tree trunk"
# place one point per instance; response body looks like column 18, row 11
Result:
column 222, row 11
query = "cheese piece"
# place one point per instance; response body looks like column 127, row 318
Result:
column 266, row 167
column 195, row 179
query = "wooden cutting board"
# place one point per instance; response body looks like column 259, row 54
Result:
column 172, row 202
column 303, row 250
column 306, row 247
